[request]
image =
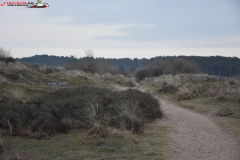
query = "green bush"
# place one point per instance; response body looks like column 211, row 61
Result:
column 82, row 107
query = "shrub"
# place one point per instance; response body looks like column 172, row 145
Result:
column 157, row 72
column 168, row 88
column 82, row 107
column 185, row 96
column 142, row 74
column 221, row 97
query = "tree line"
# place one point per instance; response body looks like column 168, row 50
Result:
column 213, row 65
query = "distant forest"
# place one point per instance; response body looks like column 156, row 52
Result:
column 213, row 65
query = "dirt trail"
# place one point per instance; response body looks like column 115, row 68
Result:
column 196, row 136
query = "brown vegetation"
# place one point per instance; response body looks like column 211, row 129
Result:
column 185, row 96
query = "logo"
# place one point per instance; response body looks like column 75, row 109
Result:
column 39, row 4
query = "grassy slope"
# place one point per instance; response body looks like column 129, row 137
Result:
column 78, row 144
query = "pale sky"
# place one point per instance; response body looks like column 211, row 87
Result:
column 123, row 28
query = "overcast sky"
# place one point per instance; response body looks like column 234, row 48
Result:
column 123, row 28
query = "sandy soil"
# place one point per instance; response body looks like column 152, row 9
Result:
column 197, row 136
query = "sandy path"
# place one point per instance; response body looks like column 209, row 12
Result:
column 196, row 136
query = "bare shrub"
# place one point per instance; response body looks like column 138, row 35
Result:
column 168, row 88
column 6, row 56
column 90, row 64
column 4, row 53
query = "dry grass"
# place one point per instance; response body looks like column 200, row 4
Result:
column 120, row 144
column 14, row 66
column 17, row 94
column 8, row 154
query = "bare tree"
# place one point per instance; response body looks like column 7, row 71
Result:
column 4, row 53
column 91, row 63
column 6, row 56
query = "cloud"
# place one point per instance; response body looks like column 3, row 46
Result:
column 31, row 31
column 33, row 28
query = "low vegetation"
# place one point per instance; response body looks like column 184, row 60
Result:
column 78, row 108
column 105, row 119
column 120, row 144
column 100, row 121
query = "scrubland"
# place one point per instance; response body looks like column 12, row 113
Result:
column 92, row 119
column 86, row 119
